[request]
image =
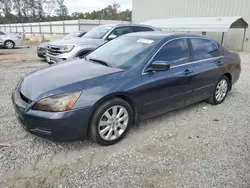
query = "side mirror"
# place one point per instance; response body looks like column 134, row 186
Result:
column 159, row 66
column 111, row 37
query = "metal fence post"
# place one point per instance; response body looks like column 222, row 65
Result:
column 31, row 32
column 50, row 27
column 63, row 27
column 16, row 29
column 79, row 25
column 40, row 31
column 23, row 28
column 10, row 27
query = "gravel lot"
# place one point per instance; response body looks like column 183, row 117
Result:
column 198, row 146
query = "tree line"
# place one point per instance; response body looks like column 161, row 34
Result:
column 25, row 11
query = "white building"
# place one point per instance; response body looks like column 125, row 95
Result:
column 159, row 9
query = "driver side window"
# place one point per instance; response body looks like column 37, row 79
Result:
column 121, row 31
column 176, row 52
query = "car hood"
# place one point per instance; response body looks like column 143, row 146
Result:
column 57, row 76
column 77, row 42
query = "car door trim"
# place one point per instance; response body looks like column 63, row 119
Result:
column 193, row 62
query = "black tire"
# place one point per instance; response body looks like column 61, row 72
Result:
column 93, row 130
column 7, row 46
column 212, row 100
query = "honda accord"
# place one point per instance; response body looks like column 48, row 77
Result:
column 131, row 78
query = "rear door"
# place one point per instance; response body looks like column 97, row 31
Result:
column 166, row 90
column 207, row 62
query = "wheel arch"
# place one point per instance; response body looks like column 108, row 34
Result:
column 229, row 76
column 124, row 96
column 10, row 41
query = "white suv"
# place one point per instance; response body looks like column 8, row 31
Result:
column 10, row 40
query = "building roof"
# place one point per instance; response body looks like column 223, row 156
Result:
column 203, row 24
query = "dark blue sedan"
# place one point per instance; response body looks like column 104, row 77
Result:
column 131, row 78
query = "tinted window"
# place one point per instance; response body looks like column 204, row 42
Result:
column 176, row 52
column 141, row 29
column 1, row 33
column 121, row 31
column 204, row 49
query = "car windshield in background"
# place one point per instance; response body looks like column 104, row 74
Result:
column 72, row 35
column 98, row 32
column 124, row 52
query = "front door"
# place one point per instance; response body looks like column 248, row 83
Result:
column 165, row 90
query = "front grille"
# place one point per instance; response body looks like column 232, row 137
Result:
column 25, row 99
column 52, row 50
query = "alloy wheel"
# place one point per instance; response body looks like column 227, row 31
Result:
column 221, row 90
column 9, row 45
column 113, row 123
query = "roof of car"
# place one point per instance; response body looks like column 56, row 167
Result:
column 162, row 35
column 128, row 24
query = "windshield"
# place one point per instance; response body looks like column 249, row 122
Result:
column 123, row 52
column 98, row 32
column 72, row 35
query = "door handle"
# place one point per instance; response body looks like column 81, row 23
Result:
column 219, row 63
column 187, row 72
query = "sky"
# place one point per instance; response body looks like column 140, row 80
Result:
column 90, row 5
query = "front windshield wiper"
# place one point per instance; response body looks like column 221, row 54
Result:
column 100, row 61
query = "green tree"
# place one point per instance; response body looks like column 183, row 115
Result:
column 62, row 11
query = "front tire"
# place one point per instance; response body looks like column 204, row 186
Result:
column 220, row 91
column 9, row 44
column 111, row 121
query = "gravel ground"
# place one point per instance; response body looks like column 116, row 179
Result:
column 198, row 146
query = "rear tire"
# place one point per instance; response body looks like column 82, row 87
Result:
column 220, row 91
column 111, row 121
column 9, row 44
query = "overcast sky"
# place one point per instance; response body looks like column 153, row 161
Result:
column 90, row 5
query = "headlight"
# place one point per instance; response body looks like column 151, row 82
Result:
column 57, row 103
column 66, row 48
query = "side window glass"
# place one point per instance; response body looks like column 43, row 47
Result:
column 1, row 33
column 121, row 31
column 141, row 29
column 175, row 52
column 204, row 49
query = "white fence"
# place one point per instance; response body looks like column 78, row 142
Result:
column 54, row 28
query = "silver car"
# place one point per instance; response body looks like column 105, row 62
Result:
column 10, row 40
column 69, row 49
column 42, row 48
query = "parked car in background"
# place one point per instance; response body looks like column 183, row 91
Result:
column 10, row 40
column 42, row 48
column 133, row 77
column 69, row 49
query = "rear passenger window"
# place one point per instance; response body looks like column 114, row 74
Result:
column 141, row 29
column 122, row 31
column 175, row 52
column 204, row 49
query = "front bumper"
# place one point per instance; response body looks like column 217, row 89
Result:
column 53, row 59
column 57, row 126
column 41, row 54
